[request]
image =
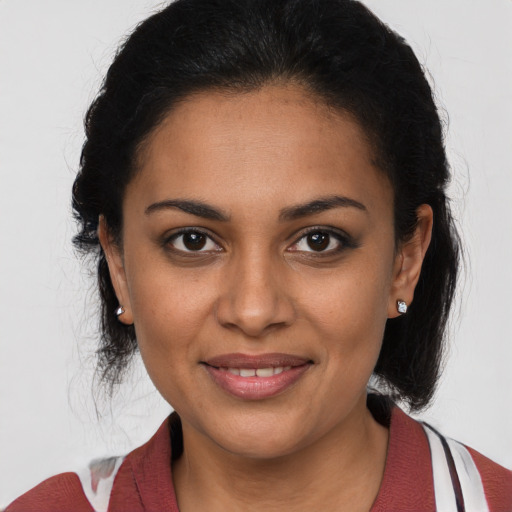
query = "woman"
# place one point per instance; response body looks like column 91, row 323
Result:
column 263, row 183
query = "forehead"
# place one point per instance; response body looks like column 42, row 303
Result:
column 277, row 144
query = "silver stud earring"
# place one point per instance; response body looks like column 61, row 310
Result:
column 119, row 311
column 401, row 307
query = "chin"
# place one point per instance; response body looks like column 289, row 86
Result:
column 262, row 437
column 260, row 447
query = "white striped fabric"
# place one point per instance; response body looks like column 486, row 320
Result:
column 467, row 472
column 97, row 481
column 443, row 488
column 469, row 477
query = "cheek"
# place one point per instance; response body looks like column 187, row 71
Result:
column 349, row 312
column 350, row 299
column 170, row 307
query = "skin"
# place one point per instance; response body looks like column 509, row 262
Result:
column 258, row 287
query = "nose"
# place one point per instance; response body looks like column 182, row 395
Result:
column 254, row 298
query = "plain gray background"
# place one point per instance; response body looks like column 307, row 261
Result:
column 53, row 55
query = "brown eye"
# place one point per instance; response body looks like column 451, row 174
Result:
column 322, row 242
column 193, row 241
column 318, row 241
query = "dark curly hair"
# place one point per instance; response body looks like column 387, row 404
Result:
column 336, row 49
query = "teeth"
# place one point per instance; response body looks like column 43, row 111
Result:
column 260, row 372
column 265, row 372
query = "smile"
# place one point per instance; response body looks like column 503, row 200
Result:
column 256, row 377
column 257, row 372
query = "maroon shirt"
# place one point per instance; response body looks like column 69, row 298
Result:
column 144, row 480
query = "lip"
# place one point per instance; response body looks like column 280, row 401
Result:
column 256, row 388
column 238, row 360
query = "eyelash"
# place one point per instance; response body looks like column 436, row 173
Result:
column 343, row 240
column 175, row 236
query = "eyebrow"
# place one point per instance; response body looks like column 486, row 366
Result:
column 319, row 205
column 206, row 211
column 197, row 208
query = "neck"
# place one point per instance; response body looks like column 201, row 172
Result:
column 340, row 471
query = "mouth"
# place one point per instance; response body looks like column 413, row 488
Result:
column 256, row 377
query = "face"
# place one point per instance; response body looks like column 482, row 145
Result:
column 259, row 267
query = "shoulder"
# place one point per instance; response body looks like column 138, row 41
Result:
column 84, row 491
column 428, row 471
column 106, row 484
column 497, row 482
column 467, row 475
column 141, row 481
column 59, row 493
column 481, row 482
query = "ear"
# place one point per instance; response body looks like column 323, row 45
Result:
column 116, row 269
column 409, row 259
